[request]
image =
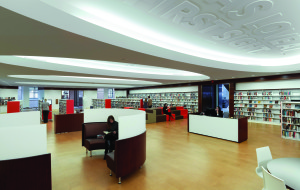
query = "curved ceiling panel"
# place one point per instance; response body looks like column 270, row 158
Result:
column 85, row 79
column 236, row 35
column 72, row 84
column 101, row 68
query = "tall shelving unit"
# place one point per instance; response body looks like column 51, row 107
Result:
column 98, row 103
column 262, row 105
column 66, row 106
column 125, row 102
column 290, row 120
column 187, row 99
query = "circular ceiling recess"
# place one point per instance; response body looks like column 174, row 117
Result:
column 103, row 68
column 244, row 35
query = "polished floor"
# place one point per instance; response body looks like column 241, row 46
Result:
column 175, row 160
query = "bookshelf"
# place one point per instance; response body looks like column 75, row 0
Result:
column 125, row 102
column 290, row 120
column 98, row 103
column 66, row 106
column 117, row 103
column 262, row 105
column 189, row 100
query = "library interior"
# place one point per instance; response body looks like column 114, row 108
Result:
column 135, row 94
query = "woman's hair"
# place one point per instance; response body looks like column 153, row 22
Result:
column 165, row 104
column 219, row 108
column 108, row 120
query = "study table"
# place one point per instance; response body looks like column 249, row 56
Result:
column 287, row 169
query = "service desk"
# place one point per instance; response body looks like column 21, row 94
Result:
column 68, row 122
column 224, row 128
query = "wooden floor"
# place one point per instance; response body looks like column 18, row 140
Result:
column 175, row 160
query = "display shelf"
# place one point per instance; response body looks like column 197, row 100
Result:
column 98, row 103
column 246, row 103
column 66, row 106
column 189, row 100
column 290, row 120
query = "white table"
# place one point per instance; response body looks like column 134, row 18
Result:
column 287, row 169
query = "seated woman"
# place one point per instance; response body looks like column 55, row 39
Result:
column 166, row 111
column 218, row 113
column 111, row 137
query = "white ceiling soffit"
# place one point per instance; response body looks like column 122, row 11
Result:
column 101, row 68
column 245, row 35
column 67, row 84
column 85, row 79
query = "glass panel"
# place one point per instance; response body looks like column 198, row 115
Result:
column 208, row 97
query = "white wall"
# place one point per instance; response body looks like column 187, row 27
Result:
column 88, row 95
column 131, row 122
column 7, row 93
column 24, row 118
column 25, row 96
column 279, row 84
column 22, row 141
column 120, row 93
column 163, row 90
column 53, row 94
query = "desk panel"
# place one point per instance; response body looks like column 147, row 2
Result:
column 68, row 122
column 224, row 128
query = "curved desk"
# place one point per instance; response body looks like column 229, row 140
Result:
column 287, row 169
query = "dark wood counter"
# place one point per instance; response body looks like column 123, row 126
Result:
column 68, row 122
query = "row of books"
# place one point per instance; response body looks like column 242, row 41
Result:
column 291, row 134
column 290, row 113
column 291, row 120
column 289, row 127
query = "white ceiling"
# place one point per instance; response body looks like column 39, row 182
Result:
column 182, row 41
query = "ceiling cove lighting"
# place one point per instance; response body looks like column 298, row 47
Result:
column 83, row 85
column 106, row 17
column 112, row 66
column 85, row 79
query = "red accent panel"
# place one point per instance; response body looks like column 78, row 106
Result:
column 50, row 112
column 128, row 107
column 183, row 112
column 185, row 116
column 13, row 106
column 70, row 106
column 107, row 103
column 179, row 108
column 141, row 103
column 167, row 117
column 142, row 109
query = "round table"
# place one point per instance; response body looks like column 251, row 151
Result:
column 287, row 169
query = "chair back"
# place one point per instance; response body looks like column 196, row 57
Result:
column 263, row 156
column 272, row 182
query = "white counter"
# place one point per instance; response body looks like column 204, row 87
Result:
column 224, row 128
